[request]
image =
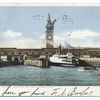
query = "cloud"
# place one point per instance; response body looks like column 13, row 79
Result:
column 11, row 38
column 22, row 43
column 59, row 39
column 83, row 38
column 10, row 34
column 83, row 34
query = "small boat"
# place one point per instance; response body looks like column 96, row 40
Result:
column 86, row 68
column 90, row 68
column 68, row 60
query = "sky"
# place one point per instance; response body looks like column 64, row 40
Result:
column 24, row 27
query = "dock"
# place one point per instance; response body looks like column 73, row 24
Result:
column 90, row 62
column 40, row 62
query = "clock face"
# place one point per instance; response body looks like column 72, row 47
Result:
column 49, row 37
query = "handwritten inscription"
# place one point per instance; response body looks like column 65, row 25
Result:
column 75, row 91
column 7, row 92
column 84, row 92
column 36, row 93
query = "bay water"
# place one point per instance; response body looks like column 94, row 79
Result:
column 52, row 76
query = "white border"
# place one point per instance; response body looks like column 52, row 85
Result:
column 17, row 89
column 49, row 4
column 50, row 1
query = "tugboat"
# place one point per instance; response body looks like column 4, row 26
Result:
column 68, row 60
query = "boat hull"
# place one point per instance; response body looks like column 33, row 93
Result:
column 63, row 64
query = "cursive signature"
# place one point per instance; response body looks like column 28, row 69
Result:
column 75, row 91
column 84, row 92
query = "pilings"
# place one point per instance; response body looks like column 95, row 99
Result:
column 33, row 62
column 10, row 60
column 41, row 61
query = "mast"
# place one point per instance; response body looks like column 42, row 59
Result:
column 60, row 51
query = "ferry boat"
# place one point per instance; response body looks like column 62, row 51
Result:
column 64, row 60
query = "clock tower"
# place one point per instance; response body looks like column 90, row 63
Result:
column 49, row 32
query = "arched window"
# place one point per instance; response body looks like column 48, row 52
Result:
column 13, row 53
column 19, row 53
column 33, row 53
column 27, row 53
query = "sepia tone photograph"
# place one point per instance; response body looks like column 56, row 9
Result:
column 50, row 45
